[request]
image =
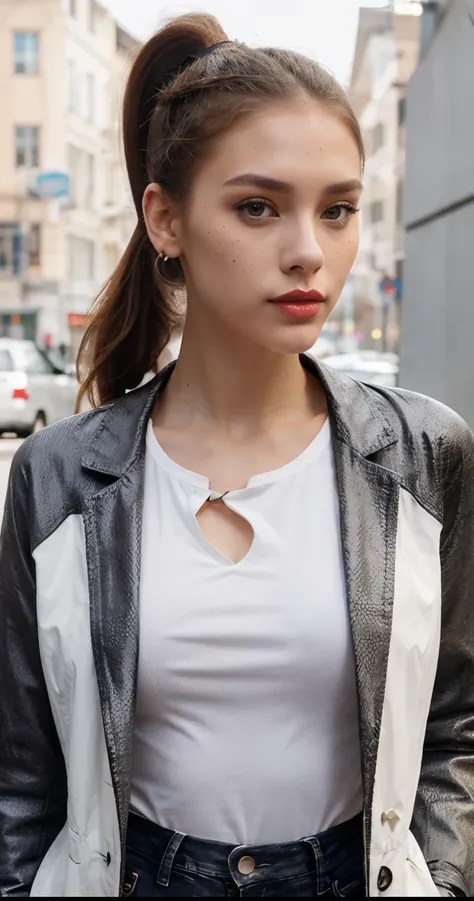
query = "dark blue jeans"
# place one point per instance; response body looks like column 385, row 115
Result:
column 165, row 864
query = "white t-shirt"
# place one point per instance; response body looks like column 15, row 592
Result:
column 246, row 725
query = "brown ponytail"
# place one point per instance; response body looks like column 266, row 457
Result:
column 178, row 99
column 131, row 322
column 134, row 315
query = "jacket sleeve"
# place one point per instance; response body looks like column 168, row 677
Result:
column 32, row 770
column 444, row 812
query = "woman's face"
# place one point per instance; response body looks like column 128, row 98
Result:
column 273, row 210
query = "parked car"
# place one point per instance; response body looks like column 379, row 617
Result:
column 33, row 391
column 370, row 366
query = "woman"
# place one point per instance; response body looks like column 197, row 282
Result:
column 237, row 629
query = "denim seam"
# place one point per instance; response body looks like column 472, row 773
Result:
column 287, row 878
column 340, row 892
column 201, row 869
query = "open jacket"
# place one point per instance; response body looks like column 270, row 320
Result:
column 69, row 626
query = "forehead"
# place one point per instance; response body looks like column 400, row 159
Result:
column 301, row 144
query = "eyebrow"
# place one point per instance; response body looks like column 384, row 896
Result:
column 272, row 184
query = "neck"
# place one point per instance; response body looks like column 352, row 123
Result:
column 236, row 389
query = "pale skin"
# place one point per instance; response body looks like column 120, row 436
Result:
column 239, row 403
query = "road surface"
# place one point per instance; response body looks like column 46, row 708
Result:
column 8, row 447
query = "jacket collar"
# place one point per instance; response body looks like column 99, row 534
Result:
column 357, row 412
column 357, row 415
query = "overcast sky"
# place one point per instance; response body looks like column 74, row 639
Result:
column 323, row 29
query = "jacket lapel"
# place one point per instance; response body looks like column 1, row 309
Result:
column 112, row 524
column 368, row 498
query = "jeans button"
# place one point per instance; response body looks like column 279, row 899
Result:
column 385, row 879
column 246, row 865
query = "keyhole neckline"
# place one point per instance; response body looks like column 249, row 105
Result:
column 309, row 454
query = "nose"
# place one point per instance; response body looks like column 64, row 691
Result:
column 302, row 250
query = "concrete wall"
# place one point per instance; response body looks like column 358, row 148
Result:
column 437, row 348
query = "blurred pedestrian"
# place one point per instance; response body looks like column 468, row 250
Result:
column 237, row 628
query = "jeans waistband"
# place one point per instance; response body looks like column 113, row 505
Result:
column 312, row 853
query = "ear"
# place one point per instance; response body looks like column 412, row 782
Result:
column 160, row 220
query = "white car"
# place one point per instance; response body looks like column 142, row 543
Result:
column 370, row 366
column 33, row 392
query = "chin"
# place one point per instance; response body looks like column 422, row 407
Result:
column 296, row 340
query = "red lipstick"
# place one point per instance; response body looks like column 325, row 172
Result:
column 302, row 304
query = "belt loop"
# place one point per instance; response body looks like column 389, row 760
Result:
column 322, row 882
column 164, row 874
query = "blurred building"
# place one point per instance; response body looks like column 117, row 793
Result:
column 62, row 69
column 438, row 305
column 385, row 56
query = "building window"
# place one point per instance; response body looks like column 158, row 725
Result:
column 89, row 164
column 81, row 259
column 25, row 52
column 81, row 166
column 73, row 168
column 379, row 136
column 399, row 203
column 402, row 110
column 376, row 211
column 104, row 100
column 90, row 97
column 34, row 244
column 6, row 361
column 10, row 248
column 74, row 175
column 72, row 85
column 91, row 16
column 27, row 146
column 112, row 255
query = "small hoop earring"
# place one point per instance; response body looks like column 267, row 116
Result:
column 159, row 267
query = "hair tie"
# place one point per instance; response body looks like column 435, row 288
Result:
column 214, row 47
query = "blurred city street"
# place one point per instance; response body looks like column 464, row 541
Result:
column 66, row 212
column 8, row 446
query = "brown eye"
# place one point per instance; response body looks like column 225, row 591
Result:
column 256, row 209
column 340, row 213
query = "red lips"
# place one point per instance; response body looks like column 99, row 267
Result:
column 299, row 296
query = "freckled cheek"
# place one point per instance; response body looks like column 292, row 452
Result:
column 219, row 259
column 349, row 252
column 341, row 255
column 232, row 249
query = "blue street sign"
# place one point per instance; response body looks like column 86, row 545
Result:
column 389, row 288
column 50, row 185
